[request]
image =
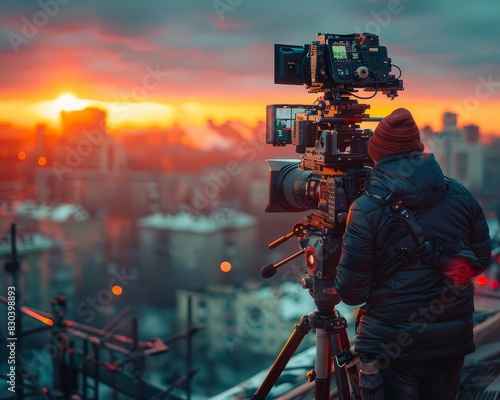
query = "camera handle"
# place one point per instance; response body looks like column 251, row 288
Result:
column 331, row 336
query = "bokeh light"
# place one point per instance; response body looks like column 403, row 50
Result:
column 225, row 266
column 117, row 290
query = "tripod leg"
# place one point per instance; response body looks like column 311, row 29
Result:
column 352, row 372
column 323, row 366
column 340, row 342
column 293, row 342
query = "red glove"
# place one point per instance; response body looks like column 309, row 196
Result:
column 460, row 273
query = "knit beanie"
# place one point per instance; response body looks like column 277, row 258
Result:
column 395, row 134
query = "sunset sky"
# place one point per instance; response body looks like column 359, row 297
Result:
column 154, row 62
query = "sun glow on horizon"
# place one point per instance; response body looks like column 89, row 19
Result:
column 68, row 102
column 51, row 109
column 196, row 112
column 143, row 114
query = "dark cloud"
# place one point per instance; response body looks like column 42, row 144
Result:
column 209, row 42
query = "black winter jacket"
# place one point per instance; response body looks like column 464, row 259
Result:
column 415, row 312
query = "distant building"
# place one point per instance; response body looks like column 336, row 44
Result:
column 471, row 133
column 250, row 322
column 449, row 122
column 151, row 192
column 491, row 188
column 82, row 162
column 16, row 162
column 459, row 152
column 75, row 261
column 44, row 268
column 185, row 249
column 85, row 143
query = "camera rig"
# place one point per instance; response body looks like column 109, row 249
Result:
column 328, row 177
column 335, row 161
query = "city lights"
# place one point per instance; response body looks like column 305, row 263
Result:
column 225, row 266
column 117, row 290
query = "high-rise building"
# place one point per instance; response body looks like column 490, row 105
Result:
column 460, row 152
column 471, row 133
column 85, row 157
column 190, row 248
column 85, row 144
column 449, row 121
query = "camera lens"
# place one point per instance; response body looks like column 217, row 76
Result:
column 296, row 189
column 293, row 188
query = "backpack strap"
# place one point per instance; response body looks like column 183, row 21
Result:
column 403, row 254
column 399, row 209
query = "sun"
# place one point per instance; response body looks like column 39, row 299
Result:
column 67, row 102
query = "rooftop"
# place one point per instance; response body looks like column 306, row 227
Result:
column 184, row 221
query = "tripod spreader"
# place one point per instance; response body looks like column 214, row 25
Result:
column 331, row 340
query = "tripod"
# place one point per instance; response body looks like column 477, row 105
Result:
column 322, row 252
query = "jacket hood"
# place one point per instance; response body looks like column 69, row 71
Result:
column 414, row 177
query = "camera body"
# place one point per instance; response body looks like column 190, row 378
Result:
column 351, row 61
column 334, row 162
column 293, row 189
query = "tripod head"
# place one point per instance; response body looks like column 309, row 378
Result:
column 321, row 247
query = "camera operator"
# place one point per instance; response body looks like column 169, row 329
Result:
column 416, row 324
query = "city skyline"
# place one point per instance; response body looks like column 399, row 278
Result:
column 192, row 133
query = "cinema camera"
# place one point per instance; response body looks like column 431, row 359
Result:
column 334, row 164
